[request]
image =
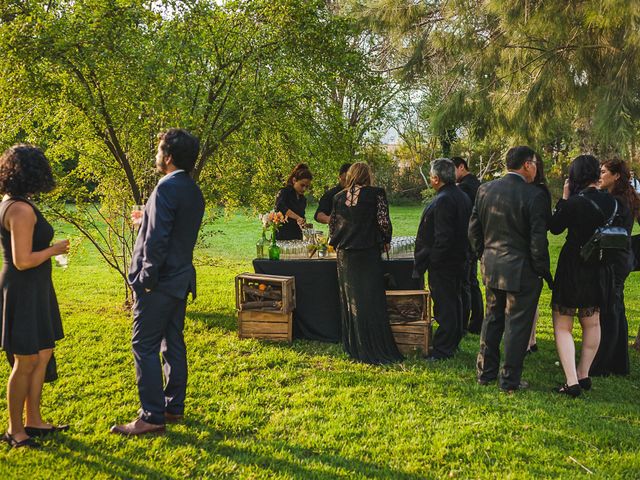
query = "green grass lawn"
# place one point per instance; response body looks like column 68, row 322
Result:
column 260, row 410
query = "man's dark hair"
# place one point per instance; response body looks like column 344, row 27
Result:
column 518, row 156
column 181, row 146
column 344, row 168
column 25, row 170
column 457, row 161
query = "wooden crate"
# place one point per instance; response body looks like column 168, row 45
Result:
column 265, row 293
column 277, row 327
column 410, row 319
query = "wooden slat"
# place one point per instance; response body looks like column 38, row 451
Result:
column 408, row 328
column 262, row 316
column 409, row 338
column 267, row 336
column 264, row 327
column 392, row 293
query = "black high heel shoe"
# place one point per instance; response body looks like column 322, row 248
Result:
column 13, row 443
column 571, row 390
column 585, row 383
column 42, row 432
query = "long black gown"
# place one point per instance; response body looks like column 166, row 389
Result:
column 358, row 233
column 613, row 353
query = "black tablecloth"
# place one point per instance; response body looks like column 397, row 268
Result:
column 317, row 313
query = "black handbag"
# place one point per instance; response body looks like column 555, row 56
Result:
column 607, row 237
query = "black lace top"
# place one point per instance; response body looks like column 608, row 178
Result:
column 360, row 219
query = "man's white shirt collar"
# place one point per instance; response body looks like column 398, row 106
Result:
column 169, row 175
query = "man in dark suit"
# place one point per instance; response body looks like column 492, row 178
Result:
column 326, row 201
column 161, row 276
column 441, row 249
column 508, row 231
column 472, row 303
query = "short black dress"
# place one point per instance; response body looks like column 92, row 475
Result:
column 288, row 199
column 578, row 283
column 30, row 313
column 358, row 232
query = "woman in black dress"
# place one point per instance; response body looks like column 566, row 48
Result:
column 30, row 316
column 613, row 353
column 577, row 284
column 292, row 203
column 360, row 230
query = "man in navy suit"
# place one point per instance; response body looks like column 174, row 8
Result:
column 161, row 276
column 442, row 249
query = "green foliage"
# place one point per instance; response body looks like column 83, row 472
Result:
column 264, row 84
column 262, row 410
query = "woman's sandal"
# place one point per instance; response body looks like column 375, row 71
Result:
column 585, row 383
column 41, row 432
column 571, row 390
column 13, row 443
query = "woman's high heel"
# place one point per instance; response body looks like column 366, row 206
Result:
column 585, row 383
column 571, row 390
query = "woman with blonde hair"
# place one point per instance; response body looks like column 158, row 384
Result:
column 360, row 230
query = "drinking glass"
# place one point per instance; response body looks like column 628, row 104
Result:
column 136, row 215
column 62, row 260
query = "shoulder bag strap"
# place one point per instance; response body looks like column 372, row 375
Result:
column 597, row 207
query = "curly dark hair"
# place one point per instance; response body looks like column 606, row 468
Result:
column 182, row 146
column 24, row 170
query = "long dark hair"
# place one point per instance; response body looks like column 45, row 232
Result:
column 622, row 188
column 583, row 171
column 539, row 178
column 300, row 172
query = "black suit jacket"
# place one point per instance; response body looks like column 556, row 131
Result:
column 508, row 230
column 469, row 185
column 442, row 234
column 163, row 254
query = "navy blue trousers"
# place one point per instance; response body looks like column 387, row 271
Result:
column 160, row 355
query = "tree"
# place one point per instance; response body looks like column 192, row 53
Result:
column 94, row 81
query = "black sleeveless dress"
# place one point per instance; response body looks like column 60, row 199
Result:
column 28, row 305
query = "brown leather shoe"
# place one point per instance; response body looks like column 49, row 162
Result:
column 138, row 427
column 173, row 418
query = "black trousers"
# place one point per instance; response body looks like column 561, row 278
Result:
column 158, row 323
column 472, row 303
column 445, row 286
column 511, row 314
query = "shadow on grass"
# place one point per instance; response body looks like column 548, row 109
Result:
column 222, row 321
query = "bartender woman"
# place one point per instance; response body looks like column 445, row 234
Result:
column 292, row 203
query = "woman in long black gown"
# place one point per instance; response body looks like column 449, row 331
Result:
column 578, row 283
column 613, row 353
column 292, row 203
column 360, row 230
column 30, row 316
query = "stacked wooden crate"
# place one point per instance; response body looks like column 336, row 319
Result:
column 265, row 305
column 410, row 318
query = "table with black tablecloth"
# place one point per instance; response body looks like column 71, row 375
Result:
column 317, row 313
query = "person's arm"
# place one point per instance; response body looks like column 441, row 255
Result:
column 282, row 206
column 539, row 245
column 476, row 232
column 161, row 213
column 323, row 211
column 21, row 220
column 563, row 214
column 322, row 217
column 383, row 219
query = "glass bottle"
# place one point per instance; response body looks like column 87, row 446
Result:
column 262, row 247
column 274, row 249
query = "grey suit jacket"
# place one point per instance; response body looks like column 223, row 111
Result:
column 508, row 231
column 163, row 254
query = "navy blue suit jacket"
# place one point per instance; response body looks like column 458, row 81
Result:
column 163, row 254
